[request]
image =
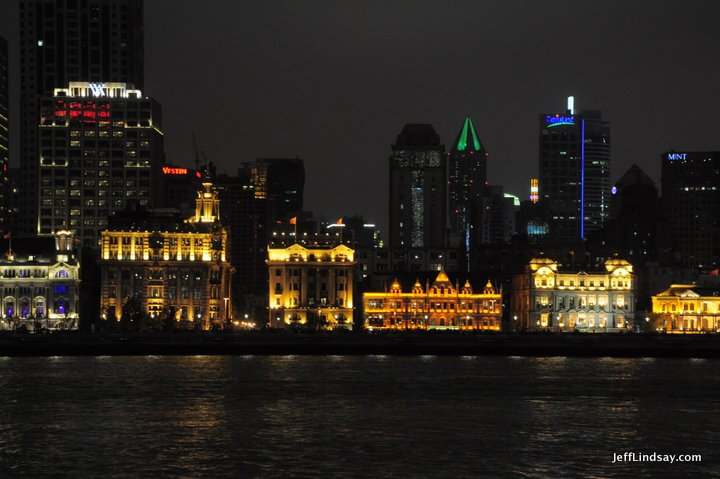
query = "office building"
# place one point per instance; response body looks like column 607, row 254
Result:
column 439, row 305
column 467, row 178
column 64, row 41
column 311, row 284
column 551, row 297
column 5, row 202
column 155, row 264
column 574, row 167
column 691, row 205
column 418, row 189
column 687, row 308
column 101, row 150
column 39, row 283
column 281, row 183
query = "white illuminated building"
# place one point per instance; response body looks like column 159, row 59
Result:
column 548, row 297
column 39, row 283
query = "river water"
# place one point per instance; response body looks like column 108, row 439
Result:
column 355, row 416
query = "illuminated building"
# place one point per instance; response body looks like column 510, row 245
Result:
column 418, row 189
column 165, row 266
column 4, row 138
column 39, row 282
column 574, row 171
column 62, row 42
column 548, row 298
column 311, row 284
column 467, row 177
column 439, row 305
column 101, row 150
column 688, row 308
column 691, row 204
column 534, row 190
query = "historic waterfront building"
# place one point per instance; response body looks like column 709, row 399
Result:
column 549, row 298
column 154, row 264
column 688, row 308
column 311, row 284
column 439, row 305
column 39, row 283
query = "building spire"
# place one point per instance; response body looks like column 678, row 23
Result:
column 468, row 138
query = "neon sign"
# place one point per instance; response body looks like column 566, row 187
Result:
column 677, row 156
column 174, row 171
column 559, row 120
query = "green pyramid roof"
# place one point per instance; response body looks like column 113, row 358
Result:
column 468, row 133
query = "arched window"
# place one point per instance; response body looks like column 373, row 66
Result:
column 62, row 274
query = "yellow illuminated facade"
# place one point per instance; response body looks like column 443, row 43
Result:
column 546, row 298
column 440, row 305
column 311, row 285
column 688, row 308
column 169, row 266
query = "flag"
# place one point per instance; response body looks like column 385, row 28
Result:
column 7, row 235
column 714, row 272
column 293, row 220
column 339, row 221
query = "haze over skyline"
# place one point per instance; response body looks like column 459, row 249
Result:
column 334, row 83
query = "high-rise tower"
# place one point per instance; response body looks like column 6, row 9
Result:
column 575, row 171
column 75, row 40
column 467, row 179
column 4, row 137
column 418, row 208
column 101, row 150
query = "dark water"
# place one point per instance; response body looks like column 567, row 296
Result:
column 337, row 417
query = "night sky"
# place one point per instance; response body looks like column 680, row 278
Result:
column 333, row 82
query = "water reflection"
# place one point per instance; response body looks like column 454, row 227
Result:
column 347, row 416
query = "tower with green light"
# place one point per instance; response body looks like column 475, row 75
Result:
column 467, row 178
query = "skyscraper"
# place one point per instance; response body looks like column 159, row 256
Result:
column 75, row 40
column 101, row 150
column 418, row 208
column 4, row 137
column 574, row 171
column 691, row 204
column 467, row 178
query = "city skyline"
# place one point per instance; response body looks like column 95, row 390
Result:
column 657, row 94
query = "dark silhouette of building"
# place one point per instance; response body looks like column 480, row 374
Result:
column 574, row 172
column 60, row 42
column 244, row 216
column 180, row 185
column 467, row 178
column 281, row 181
column 4, row 138
column 691, row 204
column 101, row 150
column 418, row 189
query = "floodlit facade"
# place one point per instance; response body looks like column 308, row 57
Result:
column 688, row 308
column 168, row 267
column 548, row 298
column 39, row 283
column 311, row 284
column 440, row 305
